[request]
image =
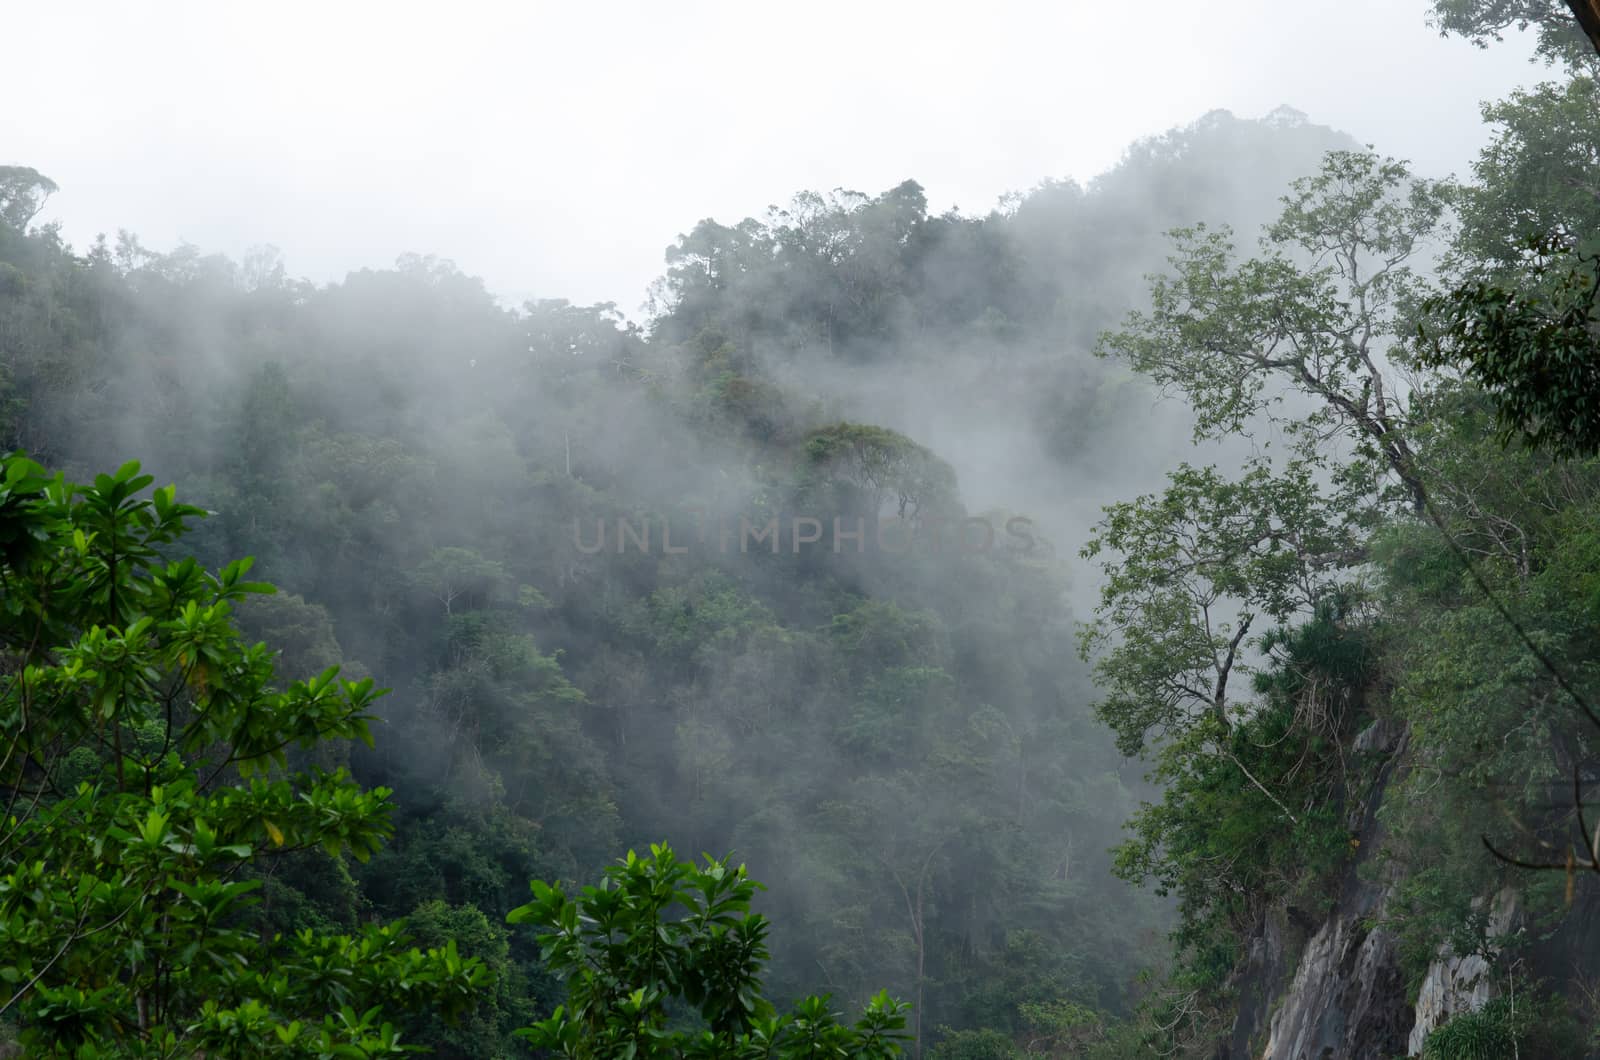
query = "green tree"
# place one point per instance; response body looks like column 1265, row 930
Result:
column 882, row 467
column 1561, row 35
column 1216, row 579
column 1534, row 347
column 23, row 192
column 1191, row 572
column 1301, row 337
column 144, row 767
column 1522, row 320
column 1314, row 318
column 643, row 982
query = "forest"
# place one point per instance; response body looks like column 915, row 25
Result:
column 1157, row 617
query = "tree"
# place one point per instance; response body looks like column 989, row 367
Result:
column 881, row 466
column 629, row 964
column 1220, row 579
column 144, row 764
column 1522, row 324
column 1195, row 568
column 1315, row 315
column 1522, row 319
column 23, row 192
column 1314, row 318
column 454, row 574
column 1536, row 352
column 1569, row 30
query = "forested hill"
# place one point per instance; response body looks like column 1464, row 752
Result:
column 901, row 745
column 1156, row 618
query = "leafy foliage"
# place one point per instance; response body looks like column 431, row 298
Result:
column 628, row 961
column 1537, row 1025
column 148, row 786
column 1537, row 354
column 1194, row 568
column 1524, row 325
column 1560, row 38
column 901, row 740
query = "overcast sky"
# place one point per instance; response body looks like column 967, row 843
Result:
column 556, row 149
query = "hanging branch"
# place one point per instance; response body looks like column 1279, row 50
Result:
column 1588, row 15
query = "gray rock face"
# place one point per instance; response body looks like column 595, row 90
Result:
column 1381, row 736
column 1258, row 984
column 1347, row 998
column 1460, row 984
column 1330, row 987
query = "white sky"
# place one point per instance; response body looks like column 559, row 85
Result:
column 556, row 149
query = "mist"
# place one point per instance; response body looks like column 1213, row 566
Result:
column 554, row 151
column 433, row 476
column 540, row 357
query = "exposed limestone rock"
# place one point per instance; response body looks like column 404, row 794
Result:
column 1460, row 984
column 1260, row 980
column 1381, row 736
column 1347, row 999
column 1329, row 987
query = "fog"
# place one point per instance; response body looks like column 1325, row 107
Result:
column 555, row 149
column 419, row 302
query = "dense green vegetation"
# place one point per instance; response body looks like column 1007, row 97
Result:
column 893, row 736
column 625, row 959
column 713, row 583
column 1420, row 548
column 149, row 791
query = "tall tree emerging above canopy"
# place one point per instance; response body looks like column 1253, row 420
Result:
column 883, row 465
column 1230, row 606
column 1317, row 313
column 1302, row 337
column 147, row 782
column 23, row 192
